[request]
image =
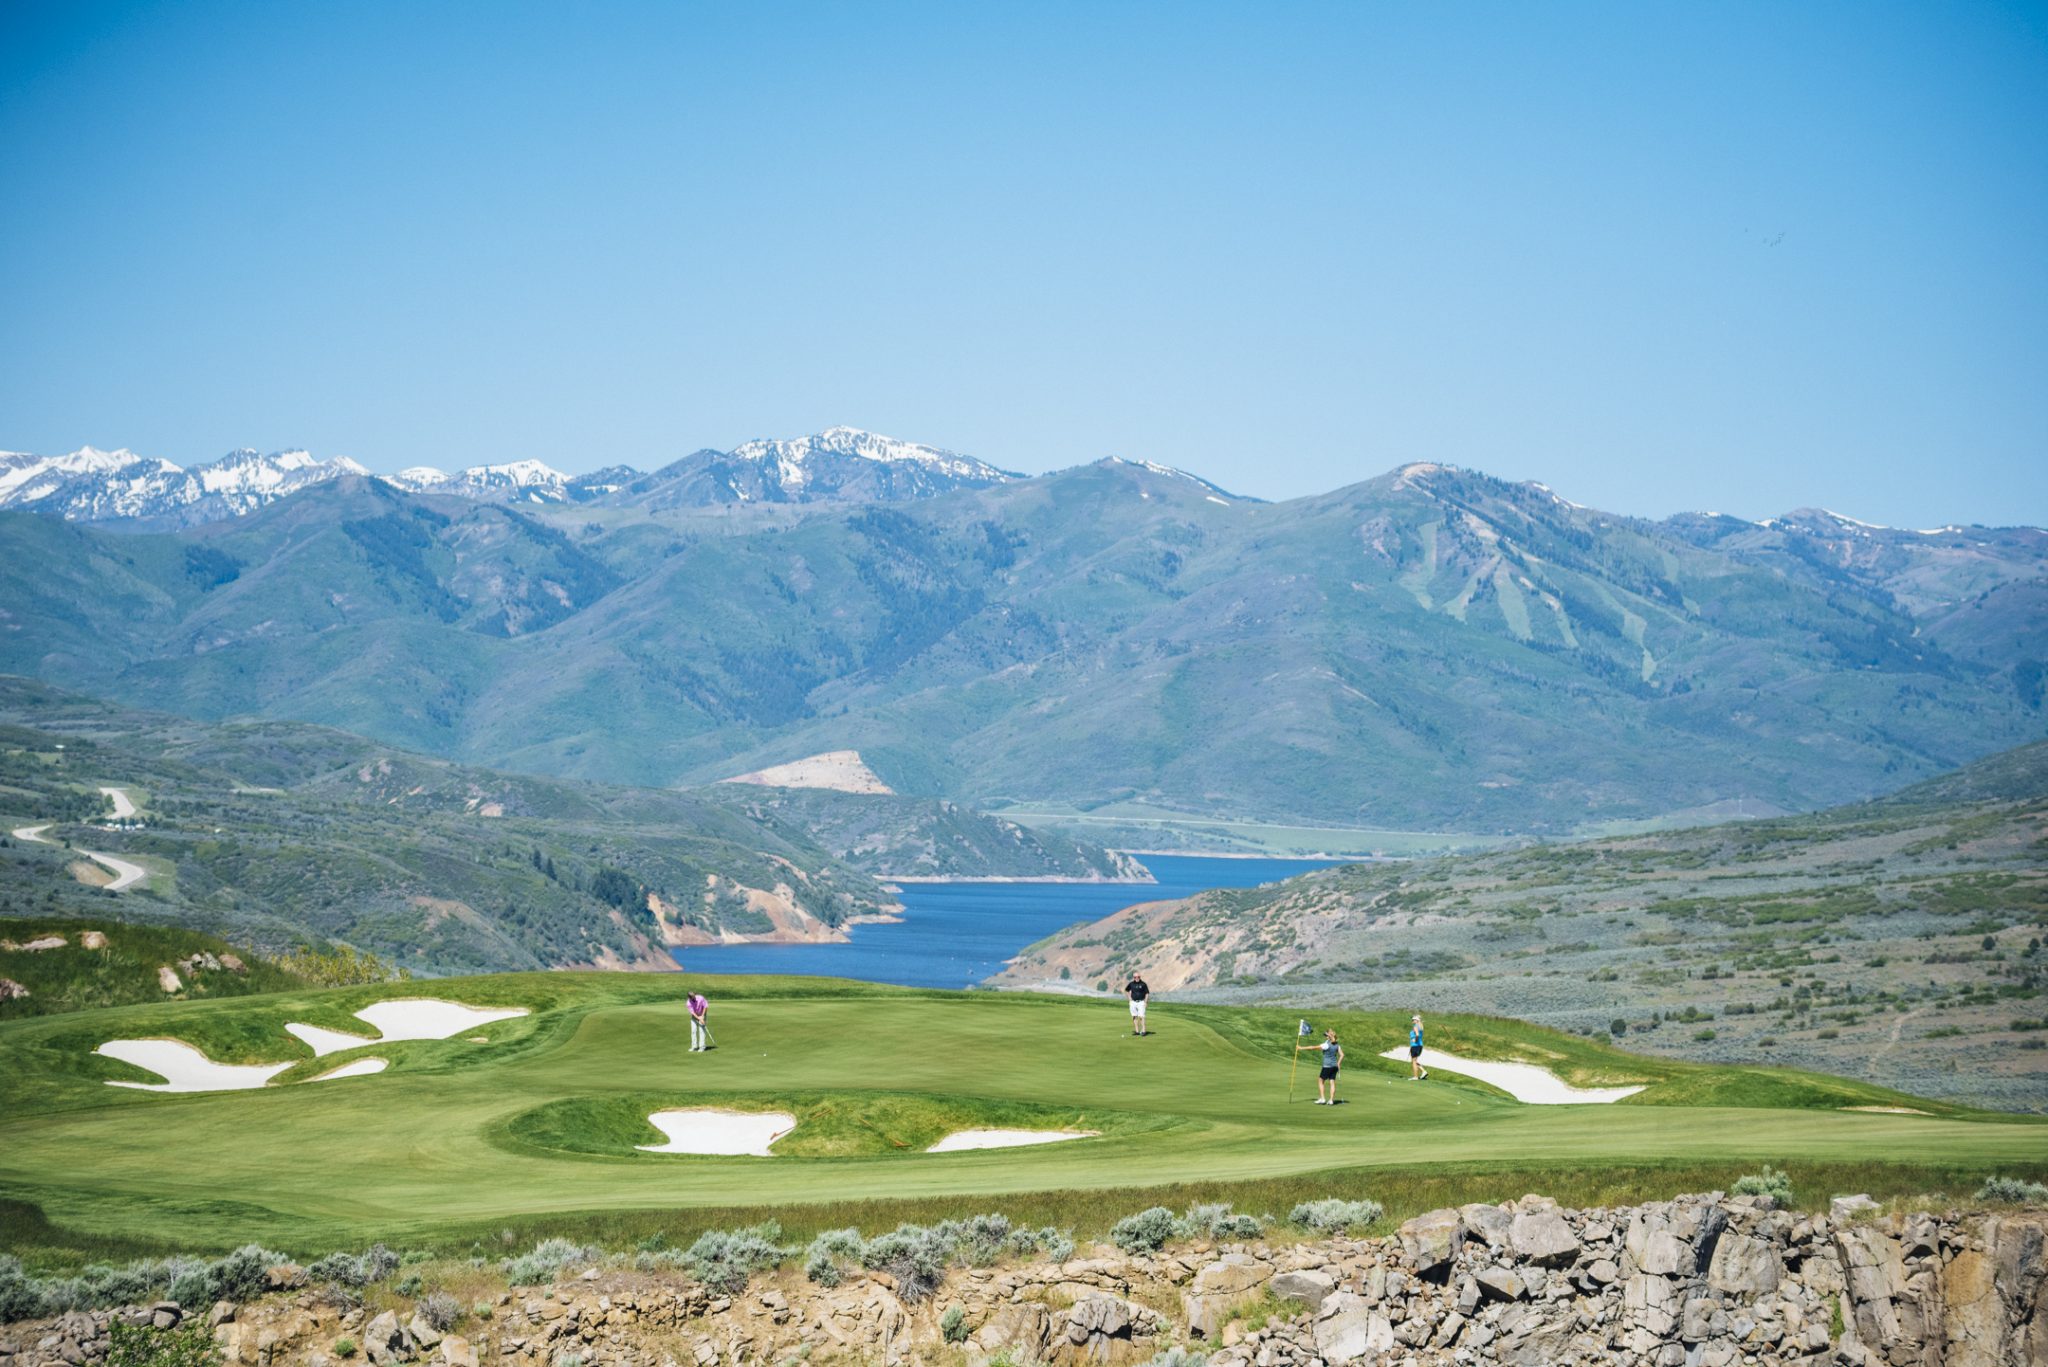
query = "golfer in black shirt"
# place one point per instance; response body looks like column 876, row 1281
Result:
column 1137, row 990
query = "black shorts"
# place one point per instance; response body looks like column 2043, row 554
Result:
column 1329, row 1074
column 1414, row 1051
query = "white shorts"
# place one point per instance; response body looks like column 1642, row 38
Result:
column 1137, row 1010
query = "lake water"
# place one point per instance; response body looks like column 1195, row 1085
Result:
column 956, row 934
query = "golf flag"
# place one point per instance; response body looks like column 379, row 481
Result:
column 1301, row 1031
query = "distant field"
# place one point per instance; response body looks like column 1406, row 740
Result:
column 537, row 1127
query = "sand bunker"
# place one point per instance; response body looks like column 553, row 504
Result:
column 403, row 1018
column 1524, row 1082
column 184, row 1068
column 1005, row 1139
column 361, row 1067
column 723, row 1132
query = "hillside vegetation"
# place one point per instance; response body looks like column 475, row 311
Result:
column 1431, row 651
column 1898, row 940
column 276, row 834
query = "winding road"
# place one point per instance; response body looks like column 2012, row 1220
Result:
column 126, row 874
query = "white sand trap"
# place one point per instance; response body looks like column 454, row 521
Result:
column 726, row 1132
column 1005, row 1139
column 184, row 1068
column 403, row 1018
column 361, row 1067
column 1524, row 1082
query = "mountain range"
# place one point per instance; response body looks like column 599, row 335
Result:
column 1432, row 649
column 839, row 464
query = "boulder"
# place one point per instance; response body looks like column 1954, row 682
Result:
column 1219, row 1286
column 1487, row 1223
column 1842, row 1208
column 1431, row 1240
column 1543, row 1238
column 423, row 1334
column 1350, row 1329
column 1307, row 1287
column 1021, row 1330
column 1745, row 1266
column 1500, row 1284
column 384, row 1342
column 457, row 1352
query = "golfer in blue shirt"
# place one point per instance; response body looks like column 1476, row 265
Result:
column 1416, row 1072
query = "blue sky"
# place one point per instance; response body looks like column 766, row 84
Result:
column 1734, row 256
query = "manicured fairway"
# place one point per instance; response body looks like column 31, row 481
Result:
column 546, row 1116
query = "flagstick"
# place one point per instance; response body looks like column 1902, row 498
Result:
column 1296, row 1063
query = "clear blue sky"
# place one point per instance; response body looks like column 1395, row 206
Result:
column 1660, row 256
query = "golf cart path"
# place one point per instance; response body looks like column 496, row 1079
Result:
column 123, row 806
column 126, row 875
column 1525, row 1082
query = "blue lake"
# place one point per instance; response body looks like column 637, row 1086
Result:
column 956, row 934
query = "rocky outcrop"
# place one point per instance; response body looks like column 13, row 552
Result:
column 1702, row 1281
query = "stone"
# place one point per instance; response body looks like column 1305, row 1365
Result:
column 1431, row 1240
column 1745, row 1266
column 424, row 1334
column 1843, row 1208
column 457, row 1352
column 1307, row 1287
column 1603, row 1272
column 383, row 1341
column 1664, row 1254
column 1022, row 1330
column 1218, row 1287
column 1487, row 1223
column 1350, row 1329
column 1542, row 1237
column 223, row 1311
column 1500, row 1284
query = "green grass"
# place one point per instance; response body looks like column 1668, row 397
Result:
column 534, row 1131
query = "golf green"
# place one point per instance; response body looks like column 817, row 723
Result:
column 544, row 1115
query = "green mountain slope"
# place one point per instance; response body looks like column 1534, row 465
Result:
column 1431, row 650
column 1875, row 940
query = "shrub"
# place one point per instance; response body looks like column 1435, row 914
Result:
column 20, row 1297
column 373, row 1264
column 1334, row 1216
column 826, row 1253
column 1053, row 1243
column 915, row 1255
column 545, row 1260
column 2014, row 1190
column 1220, row 1222
column 1770, row 1182
column 441, row 1310
column 953, row 1324
column 724, row 1261
column 980, row 1239
column 1147, row 1231
column 344, row 1348
column 1178, row 1356
column 411, row 1284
